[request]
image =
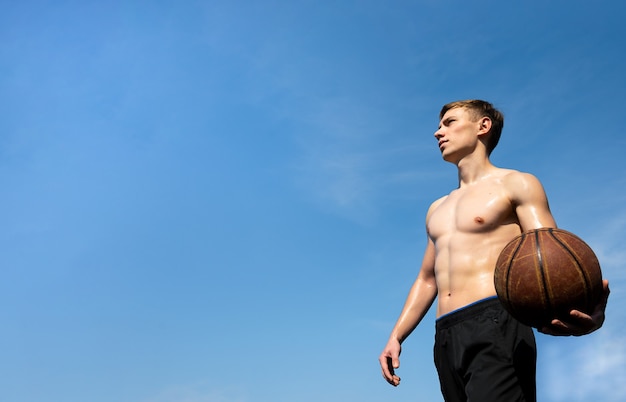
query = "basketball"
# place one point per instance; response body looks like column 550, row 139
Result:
column 545, row 273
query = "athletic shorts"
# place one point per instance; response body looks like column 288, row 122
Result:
column 482, row 354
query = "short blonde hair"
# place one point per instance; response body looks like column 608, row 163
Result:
column 479, row 109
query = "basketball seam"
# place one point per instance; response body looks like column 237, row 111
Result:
column 586, row 280
column 542, row 271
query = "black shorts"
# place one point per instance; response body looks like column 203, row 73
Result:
column 483, row 354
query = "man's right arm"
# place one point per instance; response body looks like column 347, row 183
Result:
column 419, row 300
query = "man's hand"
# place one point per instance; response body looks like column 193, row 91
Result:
column 580, row 323
column 390, row 360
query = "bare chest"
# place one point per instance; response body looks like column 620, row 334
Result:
column 474, row 210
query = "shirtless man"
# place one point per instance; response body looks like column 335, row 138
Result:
column 481, row 353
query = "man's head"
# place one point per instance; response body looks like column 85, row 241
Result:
column 478, row 109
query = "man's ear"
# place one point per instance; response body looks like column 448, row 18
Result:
column 484, row 125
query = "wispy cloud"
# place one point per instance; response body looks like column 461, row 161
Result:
column 608, row 241
column 355, row 183
column 584, row 369
column 353, row 160
column 593, row 367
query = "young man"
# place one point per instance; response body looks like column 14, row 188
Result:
column 481, row 353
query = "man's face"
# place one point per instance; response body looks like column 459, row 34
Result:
column 456, row 135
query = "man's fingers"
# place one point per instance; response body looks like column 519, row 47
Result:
column 384, row 365
column 388, row 366
column 395, row 363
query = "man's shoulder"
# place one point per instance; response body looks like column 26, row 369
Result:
column 516, row 176
column 437, row 202
column 513, row 177
column 434, row 206
column 505, row 172
column 520, row 185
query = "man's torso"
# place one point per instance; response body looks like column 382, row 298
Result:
column 469, row 229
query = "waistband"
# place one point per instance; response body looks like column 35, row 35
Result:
column 469, row 311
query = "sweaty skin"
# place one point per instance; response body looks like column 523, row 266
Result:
column 467, row 230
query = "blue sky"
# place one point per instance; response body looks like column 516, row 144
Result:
column 223, row 201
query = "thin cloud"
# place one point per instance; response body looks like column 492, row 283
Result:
column 352, row 160
column 585, row 369
column 357, row 183
column 593, row 367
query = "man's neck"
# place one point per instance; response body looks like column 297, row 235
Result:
column 474, row 169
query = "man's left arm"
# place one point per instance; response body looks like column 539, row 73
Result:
column 533, row 212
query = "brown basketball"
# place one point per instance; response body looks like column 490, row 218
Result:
column 545, row 273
